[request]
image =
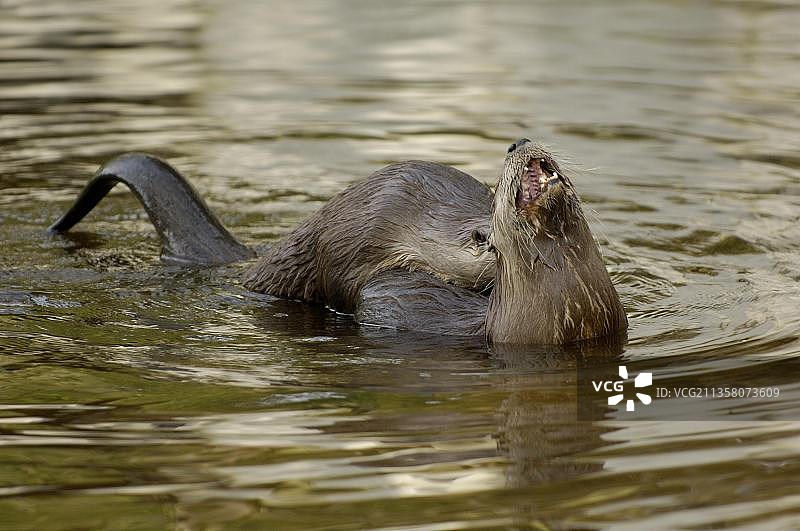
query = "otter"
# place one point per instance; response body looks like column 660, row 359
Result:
column 411, row 216
column 546, row 257
column 400, row 217
column 417, row 245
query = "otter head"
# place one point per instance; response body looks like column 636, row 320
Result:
column 534, row 200
column 551, row 283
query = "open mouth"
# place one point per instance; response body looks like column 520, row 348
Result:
column 537, row 178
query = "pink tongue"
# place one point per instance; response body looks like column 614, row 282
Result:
column 529, row 189
column 530, row 186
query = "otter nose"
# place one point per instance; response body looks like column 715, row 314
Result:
column 517, row 144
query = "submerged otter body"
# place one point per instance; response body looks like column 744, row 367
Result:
column 416, row 245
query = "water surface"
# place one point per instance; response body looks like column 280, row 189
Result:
column 140, row 396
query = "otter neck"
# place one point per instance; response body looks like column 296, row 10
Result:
column 552, row 289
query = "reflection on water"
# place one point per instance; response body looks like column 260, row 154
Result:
column 141, row 396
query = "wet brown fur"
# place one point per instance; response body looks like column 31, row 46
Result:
column 551, row 284
column 410, row 216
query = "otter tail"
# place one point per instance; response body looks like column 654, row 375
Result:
column 189, row 231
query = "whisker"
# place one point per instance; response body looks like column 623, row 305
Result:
column 596, row 217
column 480, row 275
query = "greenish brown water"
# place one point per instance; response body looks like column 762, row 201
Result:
column 139, row 396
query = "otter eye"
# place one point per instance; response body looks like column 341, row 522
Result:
column 478, row 236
